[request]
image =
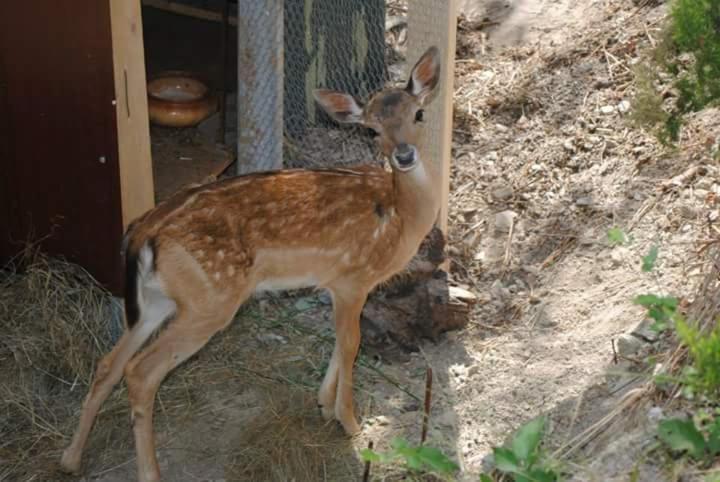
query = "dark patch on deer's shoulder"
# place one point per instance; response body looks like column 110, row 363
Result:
column 379, row 210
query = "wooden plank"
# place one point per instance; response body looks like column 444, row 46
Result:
column 177, row 164
column 136, row 176
column 434, row 22
column 188, row 11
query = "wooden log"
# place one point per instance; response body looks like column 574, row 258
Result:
column 417, row 303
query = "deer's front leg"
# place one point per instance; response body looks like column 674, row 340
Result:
column 348, row 306
column 328, row 389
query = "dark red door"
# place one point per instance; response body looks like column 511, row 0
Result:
column 59, row 178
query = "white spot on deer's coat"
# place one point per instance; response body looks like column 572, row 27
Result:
column 221, row 254
column 217, row 276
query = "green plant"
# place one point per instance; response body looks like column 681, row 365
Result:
column 617, row 236
column 523, row 460
column 662, row 309
column 694, row 30
column 417, row 458
column 684, row 436
column 702, row 376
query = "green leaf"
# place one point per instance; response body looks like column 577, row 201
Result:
column 370, row 456
column 681, row 435
column 539, row 475
column 616, row 236
column 505, row 460
column 413, row 461
column 648, row 262
column 485, row 478
column 714, row 438
column 436, row 460
column 650, row 301
column 399, row 443
column 527, row 439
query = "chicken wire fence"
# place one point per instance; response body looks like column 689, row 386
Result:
column 287, row 48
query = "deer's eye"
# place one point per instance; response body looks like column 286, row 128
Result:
column 419, row 115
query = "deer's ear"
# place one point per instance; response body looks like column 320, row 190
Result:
column 341, row 107
column 425, row 75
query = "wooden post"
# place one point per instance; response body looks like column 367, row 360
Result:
column 133, row 129
column 434, row 22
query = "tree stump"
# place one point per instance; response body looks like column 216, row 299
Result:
column 417, row 303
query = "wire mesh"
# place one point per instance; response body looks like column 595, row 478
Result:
column 339, row 45
column 353, row 46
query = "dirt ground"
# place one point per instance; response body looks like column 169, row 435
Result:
column 546, row 161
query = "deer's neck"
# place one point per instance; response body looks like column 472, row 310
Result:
column 417, row 194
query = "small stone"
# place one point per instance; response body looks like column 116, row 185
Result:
column 522, row 122
column 607, row 109
column 645, row 332
column 324, row 298
column 627, row 345
column 623, row 106
column 473, row 370
column 602, row 83
column 701, row 194
column 688, row 212
column 569, row 146
column 655, row 414
column 504, row 220
column 499, row 291
column 382, row 420
column 542, row 318
column 713, row 215
column 584, row 201
column 488, row 463
column 501, row 128
column 503, row 193
column 618, row 255
column 269, row 338
column 492, row 156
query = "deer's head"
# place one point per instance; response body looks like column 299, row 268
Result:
column 395, row 114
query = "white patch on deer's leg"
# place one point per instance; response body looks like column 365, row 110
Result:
column 328, row 389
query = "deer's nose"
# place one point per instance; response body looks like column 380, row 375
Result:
column 404, row 154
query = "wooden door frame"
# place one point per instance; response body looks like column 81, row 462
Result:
column 131, row 107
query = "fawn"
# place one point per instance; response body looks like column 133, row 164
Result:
column 196, row 257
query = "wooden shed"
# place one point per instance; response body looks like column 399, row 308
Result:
column 75, row 145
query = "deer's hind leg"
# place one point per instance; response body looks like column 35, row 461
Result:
column 108, row 373
column 187, row 333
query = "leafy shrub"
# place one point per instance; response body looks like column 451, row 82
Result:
column 689, row 50
column 420, row 459
column 523, row 460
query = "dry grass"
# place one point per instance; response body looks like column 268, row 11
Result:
column 289, row 441
column 55, row 321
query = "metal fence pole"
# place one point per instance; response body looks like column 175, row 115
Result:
column 260, row 85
